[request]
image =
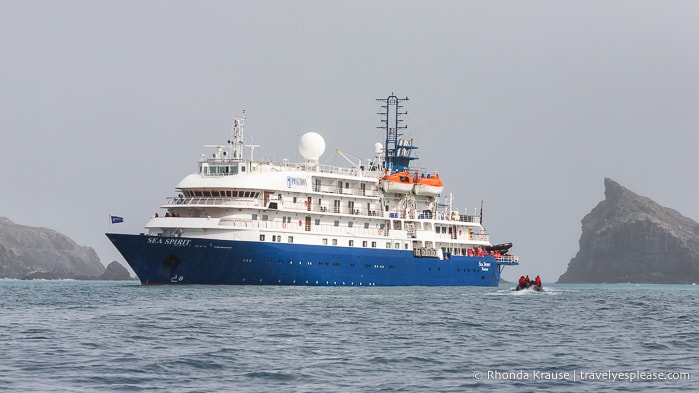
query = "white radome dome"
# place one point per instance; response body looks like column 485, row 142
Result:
column 378, row 148
column 311, row 146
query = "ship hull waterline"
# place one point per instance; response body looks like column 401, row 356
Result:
column 180, row 260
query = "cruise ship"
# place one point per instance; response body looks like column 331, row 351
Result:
column 382, row 222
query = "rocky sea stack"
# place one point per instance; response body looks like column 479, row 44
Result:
column 41, row 253
column 630, row 238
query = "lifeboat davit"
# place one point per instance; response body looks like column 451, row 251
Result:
column 430, row 185
column 400, row 182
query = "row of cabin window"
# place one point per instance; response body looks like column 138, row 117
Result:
column 221, row 193
column 287, row 220
column 224, row 170
column 336, row 203
column 350, row 224
column 442, row 229
column 340, row 185
column 290, row 239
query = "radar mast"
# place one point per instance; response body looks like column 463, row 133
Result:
column 397, row 152
column 237, row 134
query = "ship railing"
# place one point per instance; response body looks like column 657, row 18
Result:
column 210, row 201
column 220, row 168
column 299, row 226
column 304, row 167
column 346, row 171
column 466, row 218
column 480, row 237
column 346, row 190
column 339, row 170
column 513, row 259
column 344, row 210
column 430, row 216
column 475, row 237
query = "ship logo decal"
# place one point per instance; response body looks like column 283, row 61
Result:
column 296, row 182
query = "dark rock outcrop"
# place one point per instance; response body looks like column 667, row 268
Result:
column 115, row 271
column 29, row 253
column 630, row 238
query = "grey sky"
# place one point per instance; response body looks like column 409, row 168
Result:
column 527, row 105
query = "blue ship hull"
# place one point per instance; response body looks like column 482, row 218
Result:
column 173, row 260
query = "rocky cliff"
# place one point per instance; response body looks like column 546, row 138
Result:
column 115, row 272
column 630, row 238
column 29, row 252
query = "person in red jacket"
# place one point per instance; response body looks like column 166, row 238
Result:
column 527, row 280
column 521, row 282
column 537, row 281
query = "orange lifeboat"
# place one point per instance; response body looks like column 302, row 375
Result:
column 400, row 182
column 429, row 185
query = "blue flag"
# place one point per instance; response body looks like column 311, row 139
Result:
column 117, row 219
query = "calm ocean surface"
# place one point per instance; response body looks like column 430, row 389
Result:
column 70, row 336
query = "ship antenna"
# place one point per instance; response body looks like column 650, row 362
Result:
column 252, row 150
column 237, row 134
column 397, row 151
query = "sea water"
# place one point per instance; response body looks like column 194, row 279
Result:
column 77, row 336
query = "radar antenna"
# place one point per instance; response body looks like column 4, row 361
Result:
column 252, row 150
column 237, row 134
